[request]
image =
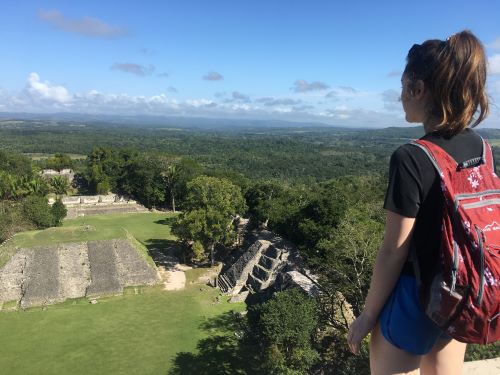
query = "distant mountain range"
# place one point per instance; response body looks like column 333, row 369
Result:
column 206, row 123
column 164, row 121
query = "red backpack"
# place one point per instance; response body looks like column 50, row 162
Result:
column 463, row 298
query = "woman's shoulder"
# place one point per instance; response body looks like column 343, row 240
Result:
column 408, row 153
column 467, row 135
column 463, row 146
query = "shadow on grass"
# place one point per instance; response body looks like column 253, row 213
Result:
column 167, row 221
column 163, row 252
column 222, row 353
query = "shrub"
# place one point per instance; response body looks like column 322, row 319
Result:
column 37, row 210
column 58, row 211
column 284, row 327
column 103, row 187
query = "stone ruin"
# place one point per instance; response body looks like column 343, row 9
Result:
column 68, row 173
column 88, row 205
column 265, row 262
column 51, row 274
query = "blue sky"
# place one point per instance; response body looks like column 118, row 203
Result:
column 326, row 61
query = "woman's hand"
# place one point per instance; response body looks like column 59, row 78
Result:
column 390, row 259
column 358, row 330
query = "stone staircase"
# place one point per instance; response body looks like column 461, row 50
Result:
column 225, row 285
column 255, row 270
column 264, row 273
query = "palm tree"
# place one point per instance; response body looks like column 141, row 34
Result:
column 59, row 184
column 9, row 186
column 37, row 186
column 170, row 176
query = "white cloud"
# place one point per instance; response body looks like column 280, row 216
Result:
column 197, row 103
column 240, row 97
column 343, row 93
column 494, row 64
column 495, row 44
column 301, row 85
column 37, row 90
column 43, row 97
column 391, row 100
column 138, row 70
column 213, row 76
column 87, row 26
column 271, row 102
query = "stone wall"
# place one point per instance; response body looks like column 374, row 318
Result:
column 68, row 173
column 79, row 211
column 49, row 274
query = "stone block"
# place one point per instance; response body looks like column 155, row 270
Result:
column 71, row 200
column 261, row 273
column 273, row 252
column 41, row 285
column 268, row 263
column 74, row 269
column 110, row 198
column 132, row 267
column 241, row 297
column 93, row 199
column 13, row 275
column 103, row 269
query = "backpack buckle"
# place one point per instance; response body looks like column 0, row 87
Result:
column 474, row 162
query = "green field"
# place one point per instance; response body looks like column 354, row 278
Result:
column 148, row 228
column 145, row 331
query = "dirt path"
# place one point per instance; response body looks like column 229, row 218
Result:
column 173, row 279
column 170, row 270
column 485, row 367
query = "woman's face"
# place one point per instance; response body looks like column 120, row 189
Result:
column 412, row 100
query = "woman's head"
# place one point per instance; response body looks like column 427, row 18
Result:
column 452, row 75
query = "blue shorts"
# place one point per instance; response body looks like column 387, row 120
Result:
column 403, row 322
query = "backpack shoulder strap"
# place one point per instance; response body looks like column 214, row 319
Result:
column 423, row 146
column 488, row 155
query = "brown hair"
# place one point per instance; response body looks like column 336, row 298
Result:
column 455, row 73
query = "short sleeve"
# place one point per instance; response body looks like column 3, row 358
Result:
column 404, row 192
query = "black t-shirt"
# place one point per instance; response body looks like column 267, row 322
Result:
column 414, row 191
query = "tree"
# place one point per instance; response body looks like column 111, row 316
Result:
column 37, row 210
column 260, row 198
column 9, row 186
column 59, row 162
column 170, row 176
column 284, row 327
column 58, row 211
column 210, row 208
column 103, row 187
column 344, row 276
column 59, row 184
column 37, row 186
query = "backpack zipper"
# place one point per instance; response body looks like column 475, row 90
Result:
column 454, row 268
column 485, row 193
column 481, row 203
column 477, row 194
column 481, row 263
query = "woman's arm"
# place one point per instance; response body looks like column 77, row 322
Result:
column 390, row 259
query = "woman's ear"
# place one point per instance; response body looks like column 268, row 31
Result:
column 418, row 89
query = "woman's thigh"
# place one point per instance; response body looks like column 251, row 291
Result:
column 386, row 359
column 446, row 357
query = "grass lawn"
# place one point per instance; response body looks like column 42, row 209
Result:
column 148, row 228
column 145, row 331
column 129, row 334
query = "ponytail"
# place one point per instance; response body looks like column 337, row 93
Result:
column 455, row 73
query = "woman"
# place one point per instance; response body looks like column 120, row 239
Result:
column 443, row 87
